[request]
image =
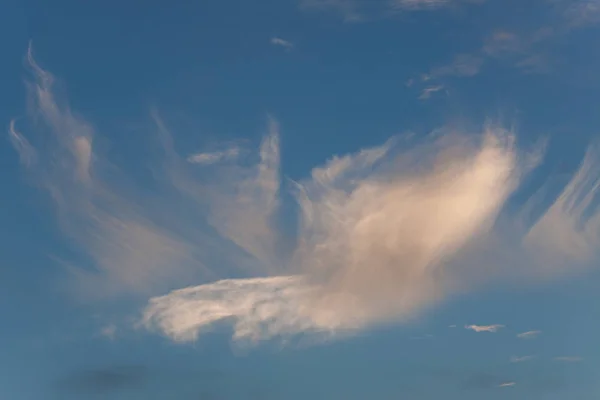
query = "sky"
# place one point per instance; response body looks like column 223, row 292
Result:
column 300, row 199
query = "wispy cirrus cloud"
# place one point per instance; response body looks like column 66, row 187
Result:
column 527, row 48
column 277, row 41
column 428, row 91
column 529, row 334
column 507, row 384
column 518, row 50
column 215, row 157
column 109, row 331
column 383, row 232
column 520, row 359
column 334, row 295
column 485, row 328
column 347, row 220
column 122, row 249
column 581, row 13
column 501, row 43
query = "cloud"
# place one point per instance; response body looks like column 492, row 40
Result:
column 215, row 157
column 535, row 64
column 501, row 43
column 383, row 233
column 515, row 359
column 568, row 359
column 259, row 308
column 569, row 229
column 529, row 48
column 529, row 335
column 122, row 250
column 352, row 217
column 484, row 328
column 281, row 42
column 109, row 331
column 518, row 50
column 507, row 384
column 26, row 152
column 243, row 203
column 428, row 91
column 581, row 13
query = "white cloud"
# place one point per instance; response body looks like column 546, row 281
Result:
column 109, row 331
column 529, row 335
column 215, row 157
column 276, row 41
column 570, row 228
column 516, row 359
column 370, row 245
column 351, row 218
column 535, row 63
column 27, row 153
column 507, row 384
column 428, row 91
column 484, row 328
column 259, row 308
column 242, row 207
column 123, row 250
column 580, row 13
column 501, row 43
column 383, row 232
column 530, row 47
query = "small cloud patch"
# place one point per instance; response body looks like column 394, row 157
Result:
column 529, row 335
column 276, row 41
column 485, row 328
column 516, row 359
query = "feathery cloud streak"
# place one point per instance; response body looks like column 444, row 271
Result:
column 529, row 334
column 485, row 328
column 122, row 249
column 276, row 41
column 369, row 248
column 389, row 230
column 215, row 157
column 517, row 359
column 383, row 232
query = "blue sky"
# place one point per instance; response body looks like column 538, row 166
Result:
column 295, row 199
